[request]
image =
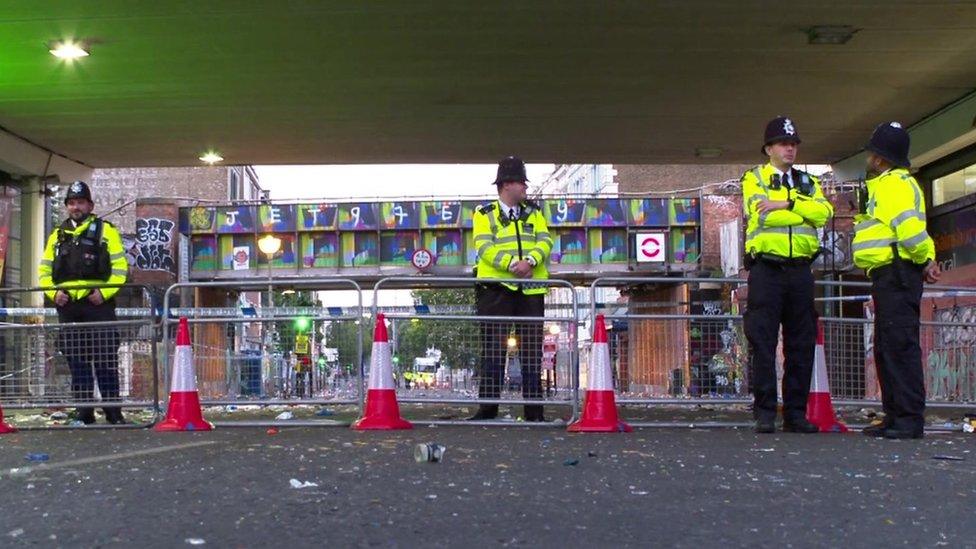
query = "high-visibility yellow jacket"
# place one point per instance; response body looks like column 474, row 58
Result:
column 895, row 215
column 790, row 233
column 498, row 246
column 113, row 243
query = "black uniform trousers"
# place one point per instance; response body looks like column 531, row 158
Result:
column 497, row 300
column 781, row 294
column 85, row 348
column 897, row 293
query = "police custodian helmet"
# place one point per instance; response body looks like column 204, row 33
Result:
column 78, row 189
column 511, row 168
column 891, row 142
column 779, row 129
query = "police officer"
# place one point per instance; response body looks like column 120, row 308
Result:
column 85, row 251
column 892, row 245
column 512, row 241
column 784, row 207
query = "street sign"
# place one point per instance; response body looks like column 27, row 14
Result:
column 422, row 259
column 301, row 344
column 650, row 248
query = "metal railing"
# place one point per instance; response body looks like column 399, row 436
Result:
column 53, row 360
column 538, row 355
column 240, row 359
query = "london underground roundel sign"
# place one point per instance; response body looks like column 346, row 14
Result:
column 651, row 248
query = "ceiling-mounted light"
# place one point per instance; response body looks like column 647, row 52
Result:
column 830, row 34
column 68, row 50
column 211, row 157
column 708, row 152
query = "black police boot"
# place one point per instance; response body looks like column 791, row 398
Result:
column 893, row 433
column 765, row 426
column 876, row 429
column 800, row 425
column 85, row 415
column 113, row 415
column 485, row 411
column 534, row 412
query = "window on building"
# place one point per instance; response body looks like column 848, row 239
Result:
column 235, row 187
column 954, row 185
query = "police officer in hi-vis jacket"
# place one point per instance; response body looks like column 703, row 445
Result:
column 784, row 207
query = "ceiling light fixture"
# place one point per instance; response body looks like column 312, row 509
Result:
column 211, row 157
column 830, row 34
column 68, row 50
column 708, row 152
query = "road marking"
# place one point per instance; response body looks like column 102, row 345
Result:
column 21, row 471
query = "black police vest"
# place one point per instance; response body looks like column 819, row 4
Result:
column 81, row 257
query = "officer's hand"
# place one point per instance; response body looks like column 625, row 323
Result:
column 770, row 205
column 932, row 272
column 96, row 297
column 522, row 269
column 61, row 298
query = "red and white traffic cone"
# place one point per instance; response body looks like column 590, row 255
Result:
column 820, row 409
column 5, row 427
column 382, row 411
column 183, row 412
column 599, row 405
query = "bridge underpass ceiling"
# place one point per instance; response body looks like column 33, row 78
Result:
column 458, row 81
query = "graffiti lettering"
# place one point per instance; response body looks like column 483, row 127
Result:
column 154, row 239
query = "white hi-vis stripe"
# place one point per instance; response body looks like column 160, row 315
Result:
column 184, row 379
column 600, row 377
column 820, row 384
column 381, row 366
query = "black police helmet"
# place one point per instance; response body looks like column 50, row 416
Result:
column 511, row 168
column 779, row 129
column 78, row 189
column 891, row 142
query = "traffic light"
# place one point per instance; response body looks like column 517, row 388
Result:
column 302, row 323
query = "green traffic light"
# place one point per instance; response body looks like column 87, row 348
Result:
column 302, row 323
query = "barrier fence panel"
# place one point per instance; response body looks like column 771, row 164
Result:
column 54, row 373
column 261, row 355
column 445, row 354
column 681, row 341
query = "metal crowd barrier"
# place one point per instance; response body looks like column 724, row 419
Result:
column 439, row 349
column 244, row 356
column 50, row 369
column 670, row 349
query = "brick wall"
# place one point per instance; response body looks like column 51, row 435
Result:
column 115, row 187
column 633, row 178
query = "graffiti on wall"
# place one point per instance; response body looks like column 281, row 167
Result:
column 951, row 362
column 154, row 245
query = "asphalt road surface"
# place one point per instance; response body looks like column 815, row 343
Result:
column 508, row 486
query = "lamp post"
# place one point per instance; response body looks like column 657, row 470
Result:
column 269, row 245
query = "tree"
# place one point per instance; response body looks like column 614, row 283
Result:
column 288, row 329
column 458, row 340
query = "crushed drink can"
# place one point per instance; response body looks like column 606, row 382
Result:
column 430, row 452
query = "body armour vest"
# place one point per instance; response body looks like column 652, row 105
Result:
column 81, row 257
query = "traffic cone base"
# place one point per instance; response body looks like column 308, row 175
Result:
column 183, row 412
column 820, row 412
column 599, row 404
column 5, row 428
column 820, row 409
column 599, row 415
column 382, row 411
column 184, row 405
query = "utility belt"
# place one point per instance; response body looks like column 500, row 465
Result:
column 897, row 266
column 780, row 261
